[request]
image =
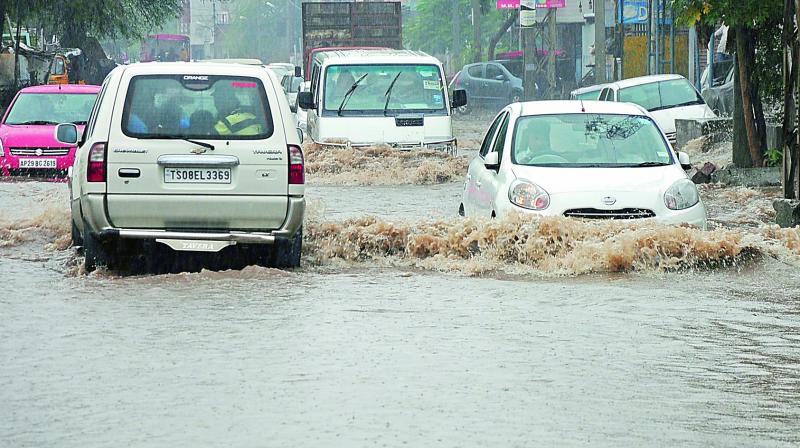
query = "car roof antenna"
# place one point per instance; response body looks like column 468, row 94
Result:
column 582, row 108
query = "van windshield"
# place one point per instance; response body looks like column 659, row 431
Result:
column 384, row 89
column 661, row 95
column 203, row 107
column 589, row 140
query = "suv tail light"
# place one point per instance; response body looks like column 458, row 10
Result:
column 96, row 170
column 297, row 174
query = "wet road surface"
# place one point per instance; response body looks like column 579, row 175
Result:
column 365, row 353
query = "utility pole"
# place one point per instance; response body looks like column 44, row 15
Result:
column 552, row 27
column 456, row 21
column 600, row 41
column 476, row 27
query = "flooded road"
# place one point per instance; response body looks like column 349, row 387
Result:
column 394, row 334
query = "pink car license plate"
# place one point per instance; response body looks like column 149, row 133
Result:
column 37, row 163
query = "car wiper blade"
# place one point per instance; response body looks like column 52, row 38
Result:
column 178, row 137
column 349, row 93
column 35, row 122
column 388, row 93
column 646, row 164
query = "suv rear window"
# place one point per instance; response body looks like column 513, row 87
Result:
column 202, row 107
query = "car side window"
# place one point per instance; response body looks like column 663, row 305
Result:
column 500, row 141
column 89, row 129
column 475, row 71
column 315, row 80
column 493, row 71
column 603, row 95
column 487, row 140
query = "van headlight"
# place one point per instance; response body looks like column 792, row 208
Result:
column 528, row 195
column 681, row 195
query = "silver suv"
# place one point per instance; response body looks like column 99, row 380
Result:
column 197, row 157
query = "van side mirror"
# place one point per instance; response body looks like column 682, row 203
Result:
column 67, row 133
column 684, row 160
column 458, row 99
column 306, row 100
column 296, row 71
column 492, row 161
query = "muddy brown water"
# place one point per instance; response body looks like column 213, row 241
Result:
column 390, row 336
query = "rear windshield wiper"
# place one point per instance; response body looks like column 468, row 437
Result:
column 178, row 137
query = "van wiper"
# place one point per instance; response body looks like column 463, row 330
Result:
column 646, row 164
column 388, row 93
column 349, row 93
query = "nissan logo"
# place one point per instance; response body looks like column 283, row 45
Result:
column 609, row 200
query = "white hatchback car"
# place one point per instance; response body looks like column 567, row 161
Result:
column 196, row 157
column 583, row 159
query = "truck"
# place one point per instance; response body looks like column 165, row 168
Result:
column 351, row 24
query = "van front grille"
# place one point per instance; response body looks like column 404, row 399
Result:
column 624, row 213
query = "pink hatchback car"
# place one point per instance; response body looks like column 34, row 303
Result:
column 27, row 142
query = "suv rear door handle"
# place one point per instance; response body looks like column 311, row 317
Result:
column 129, row 172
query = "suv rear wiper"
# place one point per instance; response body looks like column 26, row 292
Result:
column 388, row 93
column 178, row 137
column 349, row 93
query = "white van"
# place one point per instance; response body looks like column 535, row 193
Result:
column 666, row 97
column 368, row 97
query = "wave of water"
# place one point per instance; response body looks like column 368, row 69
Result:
column 381, row 165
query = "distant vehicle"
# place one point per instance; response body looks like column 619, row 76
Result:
column 166, row 48
column 587, row 93
column 281, row 69
column 197, row 157
column 578, row 159
column 488, row 84
column 27, row 143
column 368, row 97
column 291, row 85
column 719, row 96
column 666, row 97
column 351, row 24
column 59, row 70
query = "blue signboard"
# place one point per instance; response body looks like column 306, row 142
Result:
column 634, row 11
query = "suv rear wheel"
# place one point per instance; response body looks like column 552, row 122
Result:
column 286, row 254
column 96, row 252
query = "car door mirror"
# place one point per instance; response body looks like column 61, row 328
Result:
column 458, row 99
column 297, row 71
column 492, row 161
column 684, row 160
column 306, row 100
column 67, row 133
column 500, row 77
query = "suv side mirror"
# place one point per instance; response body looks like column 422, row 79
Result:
column 306, row 100
column 683, row 159
column 492, row 160
column 67, row 133
column 458, row 99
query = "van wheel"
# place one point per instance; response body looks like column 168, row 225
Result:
column 95, row 252
column 286, row 254
column 77, row 239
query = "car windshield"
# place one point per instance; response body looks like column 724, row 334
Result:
column 204, row 107
column 51, row 108
column 415, row 88
column 661, row 95
column 589, row 140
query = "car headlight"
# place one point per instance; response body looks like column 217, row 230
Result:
column 528, row 195
column 681, row 195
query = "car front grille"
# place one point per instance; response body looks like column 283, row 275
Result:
column 44, row 151
column 624, row 213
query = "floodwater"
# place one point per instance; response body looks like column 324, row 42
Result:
column 409, row 326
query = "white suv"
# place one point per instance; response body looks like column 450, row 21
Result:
column 195, row 156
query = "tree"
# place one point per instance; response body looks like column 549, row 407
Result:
column 753, row 24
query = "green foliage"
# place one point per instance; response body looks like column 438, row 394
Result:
column 74, row 19
column 774, row 157
column 431, row 28
column 748, row 13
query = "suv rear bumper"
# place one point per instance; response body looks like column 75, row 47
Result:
column 93, row 211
